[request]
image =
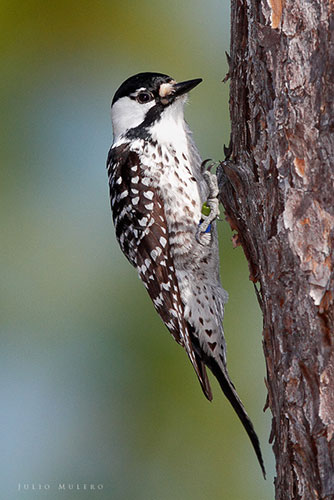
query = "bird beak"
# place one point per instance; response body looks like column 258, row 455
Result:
column 171, row 90
column 184, row 87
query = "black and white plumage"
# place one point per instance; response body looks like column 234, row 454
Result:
column 158, row 186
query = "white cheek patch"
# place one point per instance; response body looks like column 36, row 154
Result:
column 126, row 113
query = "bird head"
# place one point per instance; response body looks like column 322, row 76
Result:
column 145, row 99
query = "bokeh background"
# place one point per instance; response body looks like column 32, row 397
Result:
column 93, row 388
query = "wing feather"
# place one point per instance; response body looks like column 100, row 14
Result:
column 142, row 231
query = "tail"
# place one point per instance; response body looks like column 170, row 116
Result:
column 203, row 378
column 231, row 394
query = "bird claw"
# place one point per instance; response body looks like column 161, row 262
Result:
column 212, row 206
column 206, row 166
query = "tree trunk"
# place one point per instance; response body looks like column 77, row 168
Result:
column 277, row 187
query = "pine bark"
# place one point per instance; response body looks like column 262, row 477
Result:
column 277, row 188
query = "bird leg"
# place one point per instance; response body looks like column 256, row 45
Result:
column 210, row 209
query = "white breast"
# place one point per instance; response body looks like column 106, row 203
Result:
column 170, row 129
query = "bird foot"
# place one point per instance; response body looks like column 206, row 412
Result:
column 210, row 209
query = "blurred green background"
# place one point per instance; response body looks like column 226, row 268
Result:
column 93, row 388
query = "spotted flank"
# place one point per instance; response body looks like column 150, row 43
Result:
column 142, row 234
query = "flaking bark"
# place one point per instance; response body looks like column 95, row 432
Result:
column 277, row 187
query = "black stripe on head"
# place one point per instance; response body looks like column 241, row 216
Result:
column 149, row 81
column 142, row 130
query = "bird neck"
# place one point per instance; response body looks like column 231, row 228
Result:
column 171, row 129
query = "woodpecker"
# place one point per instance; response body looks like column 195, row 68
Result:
column 164, row 206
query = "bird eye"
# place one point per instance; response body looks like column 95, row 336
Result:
column 143, row 97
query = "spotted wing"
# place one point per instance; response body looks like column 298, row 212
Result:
column 142, row 232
